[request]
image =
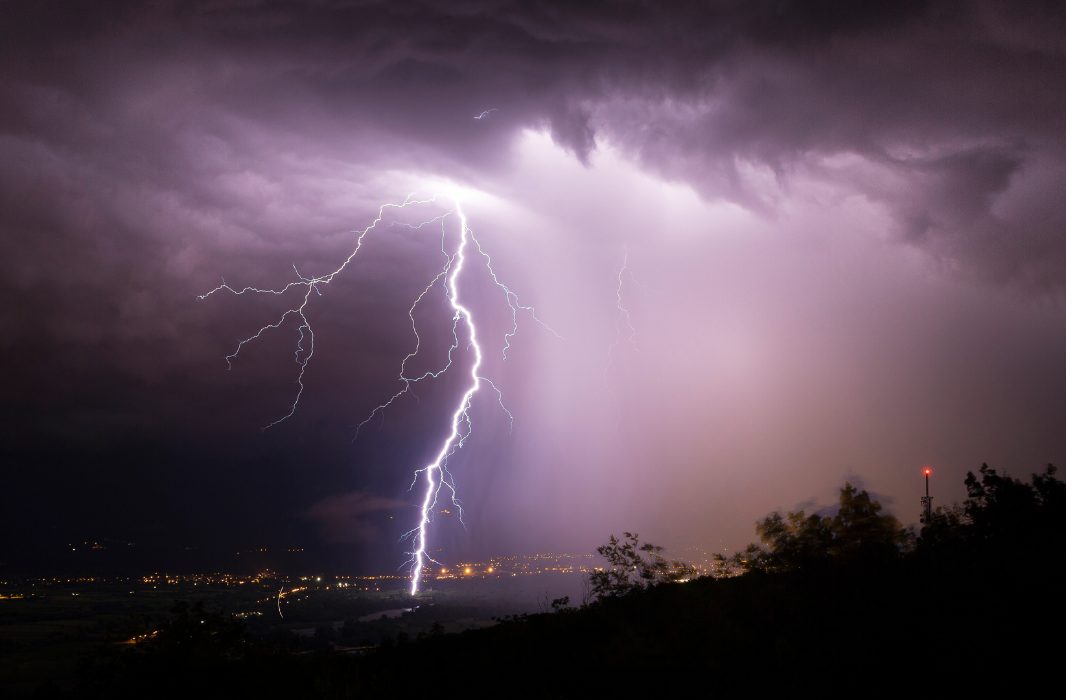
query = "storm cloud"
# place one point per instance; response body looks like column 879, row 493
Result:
column 902, row 164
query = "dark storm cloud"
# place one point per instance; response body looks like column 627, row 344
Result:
column 948, row 104
column 346, row 517
column 146, row 149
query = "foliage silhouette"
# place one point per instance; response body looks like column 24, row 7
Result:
column 632, row 565
column 860, row 533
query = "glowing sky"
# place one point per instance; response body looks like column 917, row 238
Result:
column 845, row 227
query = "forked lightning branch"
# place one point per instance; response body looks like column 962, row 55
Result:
column 435, row 477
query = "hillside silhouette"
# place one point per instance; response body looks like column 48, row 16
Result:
column 849, row 604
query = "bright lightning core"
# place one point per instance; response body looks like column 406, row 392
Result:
column 436, row 474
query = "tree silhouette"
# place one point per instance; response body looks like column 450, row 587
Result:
column 632, row 565
column 1001, row 517
column 861, row 533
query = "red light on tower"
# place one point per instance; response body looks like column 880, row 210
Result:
column 926, row 500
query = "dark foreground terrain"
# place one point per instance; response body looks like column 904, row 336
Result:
column 846, row 605
column 976, row 632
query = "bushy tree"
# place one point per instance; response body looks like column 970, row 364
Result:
column 860, row 532
column 1001, row 515
column 632, row 565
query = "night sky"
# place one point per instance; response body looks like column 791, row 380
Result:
column 844, row 221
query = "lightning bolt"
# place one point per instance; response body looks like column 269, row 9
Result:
column 436, row 474
column 623, row 323
column 486, row 113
